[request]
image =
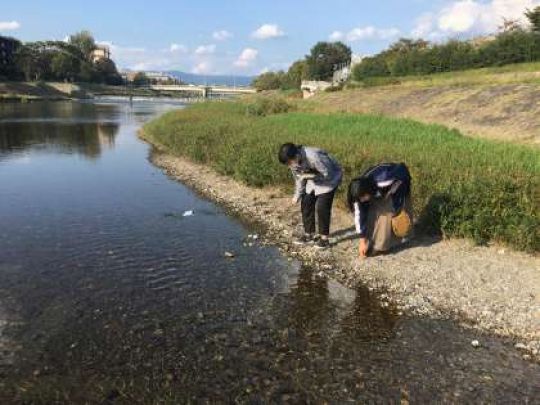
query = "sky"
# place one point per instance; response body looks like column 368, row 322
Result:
column 247, row 37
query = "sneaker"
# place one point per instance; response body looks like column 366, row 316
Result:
column 304, row 239
column 322, row 243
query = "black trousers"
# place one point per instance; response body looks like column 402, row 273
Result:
column 322, row 205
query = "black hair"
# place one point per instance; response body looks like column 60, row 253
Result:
column 359, row 187
column 288, row 151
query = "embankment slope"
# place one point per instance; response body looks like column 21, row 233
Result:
column 507, row 111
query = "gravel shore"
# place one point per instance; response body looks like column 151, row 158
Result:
column 493, row 289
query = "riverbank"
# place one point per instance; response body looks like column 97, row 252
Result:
column 463, row 187
column 52, row 91
column 507, row 111
column 489, row 288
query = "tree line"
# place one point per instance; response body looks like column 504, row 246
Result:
column 68, row 61
column 320, row 64
column 513, row 44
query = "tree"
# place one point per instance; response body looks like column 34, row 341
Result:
column 107, row 72
column 298, row 71
column 370, row 67
column 84, row 41
column 87, row 72
column 64, row 66
column 269, row 81
column 509, row 25
column 325, row 57
column 33, row 63
column 140, row 79
column 534, row 18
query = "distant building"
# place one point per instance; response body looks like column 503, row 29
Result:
column 153, row 77
column 101, row 52
column 8, row 46
column 344, row 71
column 160, row 78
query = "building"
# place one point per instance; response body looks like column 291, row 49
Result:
column 152, row 77
column 101, row 52
column 343, row 72
column 160, row 78
column 8, row 46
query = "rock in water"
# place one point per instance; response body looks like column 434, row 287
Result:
column 188, row 213
column 229, row 255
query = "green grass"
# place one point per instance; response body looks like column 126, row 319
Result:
column 462, row 187
column 509, row 74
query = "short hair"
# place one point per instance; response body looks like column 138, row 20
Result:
column 359, row 187
column 287, row 151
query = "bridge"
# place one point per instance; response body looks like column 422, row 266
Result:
column 204, row 91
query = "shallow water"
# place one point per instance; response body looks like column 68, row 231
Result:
column 109, row 294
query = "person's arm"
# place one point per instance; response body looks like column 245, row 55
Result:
column 322, row 164
column 360, row 218
column 299, row 186
column 360, row 222
column 397, row 193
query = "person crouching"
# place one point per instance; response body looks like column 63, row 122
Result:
column 317, row 176
column 381, row 202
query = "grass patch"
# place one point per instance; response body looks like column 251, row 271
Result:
column 462, row 187
column 509, row 74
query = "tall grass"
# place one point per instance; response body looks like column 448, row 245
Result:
column 462, row 187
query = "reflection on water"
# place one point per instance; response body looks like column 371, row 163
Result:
column 59, row 128
column 108, row 294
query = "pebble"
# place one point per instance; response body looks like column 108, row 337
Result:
column 475, row 343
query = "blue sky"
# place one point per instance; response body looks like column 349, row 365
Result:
column 248, row 36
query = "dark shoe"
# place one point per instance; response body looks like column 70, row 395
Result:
column 322, row 243
column 304, row 239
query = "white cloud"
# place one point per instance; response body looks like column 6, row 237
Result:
column 205, row 49
column 9, row 25
column 365, row 33
column 424, row 26
column 202, row 68
column 267, row 31
column 336, row 36
column 222, row 35
column 471, row 17
column 178, row 48
column 246, row 58
column 370, row 32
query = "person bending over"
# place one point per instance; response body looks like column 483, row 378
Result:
column 380, row 200
column 317, row 176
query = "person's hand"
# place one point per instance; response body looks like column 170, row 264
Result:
column 307, row 176
column 363, row 247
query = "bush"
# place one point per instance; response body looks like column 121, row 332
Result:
column 267, row 106
column 462, row 186
column 406, row 58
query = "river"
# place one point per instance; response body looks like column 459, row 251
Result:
column 112, row 291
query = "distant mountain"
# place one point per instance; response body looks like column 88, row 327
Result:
column 225, row 80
